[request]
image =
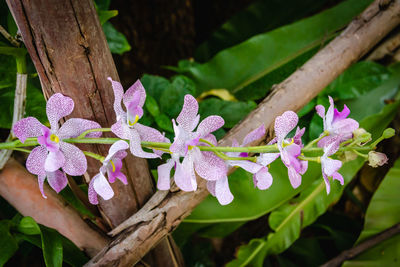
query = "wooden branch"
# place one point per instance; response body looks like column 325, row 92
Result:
column 163, row 213
column 67, row 45
column 367, row 244
column 20, row 189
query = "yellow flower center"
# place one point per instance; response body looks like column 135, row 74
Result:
column 285, row 145
column 190, row 147
column 113, row 165
column 134, row 122
column 54, row 138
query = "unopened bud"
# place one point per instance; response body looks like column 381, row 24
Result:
column 358, row 132
column 362, row 136
column 388, row 133
column 347, row 156
column 376, row 159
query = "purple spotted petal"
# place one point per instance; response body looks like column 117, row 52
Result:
column 341, row 115
column 222, row 191
column 75, row 160
column 136, row 147
column 285, row 123
column 41, row 179
column 297, row 137
column 74, row 127
column 330, row 113
column 164, row 174
column 211, row 138
column 115, row 173
column 121, row 130
column 184, row 177
column 267, row 158
column 58, row 106
column 54, row 161
column 254, row 135
column 27, row 127
column 188, row 117
column 209, row 125
column 332, row 147
column 303, row 166
column 45, row 141
column 118, row 93
column 149, row 134
column 345, row 126
column 211, row 187
column 208, row 165
column 131, row 95
column 118, row 146
column 102, row 187
column 262, row 179
column 36, row 160
column 57, row 180
column 294, row 177
column 320, row 110
column 289, row 154
column 330, row 166
column 339, row 177
column 92, row 195
column 246, row 165
column 327, row 183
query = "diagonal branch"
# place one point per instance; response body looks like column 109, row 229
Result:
column 163, row 213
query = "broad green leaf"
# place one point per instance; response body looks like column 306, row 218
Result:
column 154, row 85
column 382, row 213
column 52, row 247
column 152, row 106
column 116, row 41
column 241, row 65
column 8, row 244
column 28, row 226
column 288, row 220
column 259, row 17
column 102, row 4
column 105, row 15
column 164, row 122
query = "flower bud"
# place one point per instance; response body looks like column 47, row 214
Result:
column 376, row 159
column 388, row 133
column 347, row 156
column 362, row 136
column 358, row 132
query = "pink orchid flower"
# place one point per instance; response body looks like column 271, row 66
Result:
column 112, row 166
column 331, row 166
column 53, row 154
column 336, row 124
column 127, row 126
column 206, row 164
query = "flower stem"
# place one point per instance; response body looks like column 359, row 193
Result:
column 309, row 145
column 92, row 131
column 94, row 155
column 360, row 154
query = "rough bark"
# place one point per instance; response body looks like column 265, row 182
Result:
column 165, row 210
column 20, row 189
column 66, row 43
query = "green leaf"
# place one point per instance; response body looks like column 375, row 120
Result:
column 102, row 4
column 243, row 64
column 52, row 247
column 105, row 15
column 12, row 27
column 383, row 212
column 152, row 106
column 28, row 226
column 164, row 122
column 232, row 112
column 259, row 17
column 8, row 244
column 116, row 41
column 154, row 85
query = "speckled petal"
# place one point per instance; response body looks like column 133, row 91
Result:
column 58, row 106
column 131, row 95
column 164, row 175
column 36, row 160
column 208, row 165
column 209, row 125
column 54, row 161
column 57, row 180
column 149, row 134
column 320, row 109
column 92, row 195
column 222, row 191
column 27, row 127
column 188, row 118
column 118, row 146
column 294, row 177
column 303, row 166
column 120, row 130
column 345, row 126
column 246, row 165
column 41, row 179
column 285, row 123
column 330, row 166
column 102, row 187
column 267, row 158
column 118, row 93
column 254, row 135
column 75, row 160
column 75, row 126
column 327, row 183
column 329, row 113
column 339, row 177
column 263, row 179
column 211, row 187
column 136, row 147
column 184, row 177
column 297, row 137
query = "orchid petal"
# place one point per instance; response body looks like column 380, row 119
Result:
column 345, row 126
column 208, row 165
column 303, row 166
column 330, row 166
column 209, row 125
column 131, row 95
column 246, row 165
column 36, row 160
column 46, row 142
column 116, row 173
column 58, row 106
column 327, row 183
column 188, row 117
column 102, row 187
column 118, row 146
column 75, row 126
column 329, row 114
column 211, row 187
column 341, row 115
column 164, row 175
column 57, row 180
column 136, row 147
column 118, row 93
column 297, row 137
column 27, row 127
column 184, row 177
column 92, row 195
column 263, row 179
column 41, row 179
column 54, row 161
column 285, row 123
column 121, row 130
column 254, row 135
column 267, row 158
column 149, row 134
column 320, row 111
column 222, row 191
column 294, row 177
column 75, row 160
column 339, row 177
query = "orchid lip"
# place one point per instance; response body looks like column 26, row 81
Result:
column 134, row 122
column 113, row 165
column 54, row 138
column 287, row 144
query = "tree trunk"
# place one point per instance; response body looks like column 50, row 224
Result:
column 67, row 45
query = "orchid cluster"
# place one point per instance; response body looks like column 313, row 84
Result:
column 194, row 149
